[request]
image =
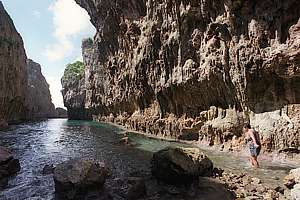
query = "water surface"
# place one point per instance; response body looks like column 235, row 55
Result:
column 56, row 140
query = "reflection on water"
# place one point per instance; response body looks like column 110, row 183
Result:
column 56, row 140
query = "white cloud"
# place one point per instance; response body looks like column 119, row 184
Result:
column 69, row 20
column 59, row 50
column 37, row 14
column 55, row 89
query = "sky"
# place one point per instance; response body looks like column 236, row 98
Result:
column 52, row 31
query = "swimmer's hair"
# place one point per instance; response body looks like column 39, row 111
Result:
column 247, row 125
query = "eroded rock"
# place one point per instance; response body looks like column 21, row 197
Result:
column 78, row 177
column 193, row 69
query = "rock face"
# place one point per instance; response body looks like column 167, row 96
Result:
column 13, row 76
column 38, row 97
column 8, row 166
column 74, row 93
column 194, row 69
column 24, row 92
column 180, row 165
column 78, row 177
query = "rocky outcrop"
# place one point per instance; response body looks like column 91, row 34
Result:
column 8, row 166
column 24, row 92
column 61, row 113
column 13, row 76
column 74, row 92
column 38, row 97
column 78, row 177
column 195, row 69
column 178, row 165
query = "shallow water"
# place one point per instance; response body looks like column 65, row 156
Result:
column 56, row 140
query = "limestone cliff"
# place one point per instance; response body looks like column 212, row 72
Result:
column 12, row 72
column 24, row 92
column 74, row 91
column 195, row 69
column 38, row 99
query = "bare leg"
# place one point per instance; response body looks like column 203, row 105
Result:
column 251, row 161
column 254, row 161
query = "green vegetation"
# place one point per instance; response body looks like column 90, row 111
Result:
column 74, row 70
column 88, row 41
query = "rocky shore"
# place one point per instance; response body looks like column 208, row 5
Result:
column 176, row 173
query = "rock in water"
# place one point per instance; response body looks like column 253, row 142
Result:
column 48, row 169
column 78, row 177
column 8, row 165
column 177, row 165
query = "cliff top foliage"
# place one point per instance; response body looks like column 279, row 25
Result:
column 74, row 70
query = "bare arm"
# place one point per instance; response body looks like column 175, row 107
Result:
column 251, row 134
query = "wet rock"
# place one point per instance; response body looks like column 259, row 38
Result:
column 136, row 188
column 48, row 169
column 124, row 140
column 8, row 165
column 78, row 177
column 177, row 165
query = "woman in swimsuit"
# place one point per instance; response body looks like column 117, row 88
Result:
column 252, row 138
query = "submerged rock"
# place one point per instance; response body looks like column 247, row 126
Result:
column 177, row 165
column 8, row 165
column 78, row 177
column 48, row 169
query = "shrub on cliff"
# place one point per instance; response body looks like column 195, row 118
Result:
column 73, row 71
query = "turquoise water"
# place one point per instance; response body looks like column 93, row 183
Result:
column 56, row 140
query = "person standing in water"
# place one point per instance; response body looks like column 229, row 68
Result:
column 253, row 140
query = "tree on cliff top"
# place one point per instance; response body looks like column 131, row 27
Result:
column 74, row 70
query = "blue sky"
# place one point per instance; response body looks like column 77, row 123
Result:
column 52, row 31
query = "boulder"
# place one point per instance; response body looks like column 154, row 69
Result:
column 8, row 165
column 78, row 177
column 177, row 165
column 292, row 178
